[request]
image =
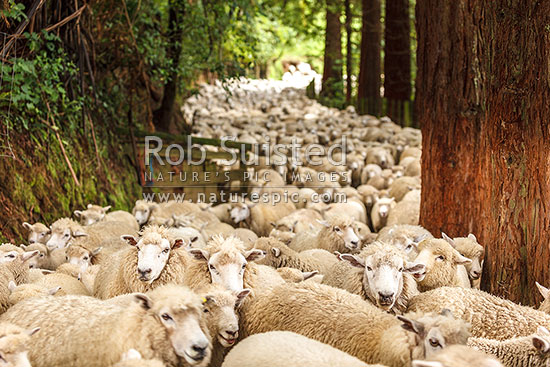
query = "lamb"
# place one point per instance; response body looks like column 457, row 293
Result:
column 441, row 262
column 491, row 317
column 325, row 314
column 42, row 260
column 279, row 255
column 295, row 350
column 165, row 324
column 401, row 186
column 458, row 356
column 83, row 257
column 133, row 358
column 528, row 351
column 259, row 217
column 14, row 344
column 154, row 259
column 470, row 248
column 380, row 274
column 337, row 234
column 38, row 232
column 545, row 292
column 380, row 211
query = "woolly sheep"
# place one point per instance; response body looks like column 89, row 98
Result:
column 458, row 356
column 413, row 169
column 470, row 248
column 259, row 217
column 214, row 229
column 41, row 260
column 407, row 211
column 92, row 214
column 441, row 262
column 14, row 345
column 195, row 220
column 369, row 171
column 353, row 209
column 462, row 272
column 68, row 284
column 380, row 212
column 379, row 156
column 222, row 212
column 379, row 273
column 401, row 186
column 190, row 236
column 164, row 212
column 154, row 259
column 528, row 351
column 411, row 152
column 284, row 349
column 490, row 316
column 166, row 324
column 132, row 358
column 405, row 237
column 370, row 195
column 86, row 276
column 279, row 255
column 38, row 233
column 298, row 221
column 337, row 234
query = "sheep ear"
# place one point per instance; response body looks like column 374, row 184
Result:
column 446, row 312
column 79, row 233
column 131, row 354
column 541, row 344
column 77, row 213
column 194, row 239
column 31, row 332
column 89, row 206
column 96, row 251
column 543, row 290
column 418, row 363
column 144, row 300
column 27, row 226
column 254, row 254
column 199, row 254
column 27, row 255
column 11, row 286
column 353, row 260
column 177, row 244
column 461, row 260
column 543, row 331
column 323, row 222
column 472, row 237
column 276, row 252
column 448, row 239
column 130, row 239
column 420, row 238
column 241, row 296
column 46, row 272
column 105, row 209
column 414, row 268
column 273, row 224
column 412, row 326
column 309, row 274
column 53, row 291
column 24, row 247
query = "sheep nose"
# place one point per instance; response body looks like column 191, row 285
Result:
column 385, row 297
column 200, row 350
column 476, row 274
column 231, row 333
column 32, row 241
column 354, row 243
column 144, row 271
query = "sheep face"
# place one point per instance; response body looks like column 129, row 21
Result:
column 38, row 233
column 183, row 326
column 348, row 235
column 239, row 213
column 152, row 258
column 13, row 346
column 384, row 206
column 142, row 211
column 470, row 248
column 81, row 257
column 440, row 261
column 40, row 260
column 61, row 237
column 89, row 217
column 221, row 309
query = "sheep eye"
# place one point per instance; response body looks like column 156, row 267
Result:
column 11, row 256
column 85, row 258
column 66, row 235
column 165, row 251
column 42, row 234
column 206, row 310
column 41, row 255
column 400, row 270
column 67, row 258
column 440, row 257
column 244, row 266
column 369, row 268
column 434, row 343
column 211, row 267
column 166, row 317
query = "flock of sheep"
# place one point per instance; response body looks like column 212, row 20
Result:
column 305, row 282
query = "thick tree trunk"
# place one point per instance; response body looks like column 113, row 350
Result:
column 163, row 115
column 483, row 88
column 349, row 56
column 332, row 69
column 368, row 92
column 397, row 59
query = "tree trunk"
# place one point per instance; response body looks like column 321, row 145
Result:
column 163, row 115
column 483, row 88
column 368, row 93
column 332, row 69
column 397, row 59
column 349, row 60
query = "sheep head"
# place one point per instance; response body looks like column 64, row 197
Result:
column 38, row 232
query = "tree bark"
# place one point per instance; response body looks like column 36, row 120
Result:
column 483, row 88
column 397, row 59
column 349, row 56
column 163, row 115
column 332, row 69
column 368, row 92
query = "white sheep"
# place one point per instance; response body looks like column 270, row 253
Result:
column 142, row 211
column 95, row 213
column 258, row 217
column 407, row 211
column 38, row 232
column 470, row 248
column 337, row 234
column 166, row 324
column 380, row 212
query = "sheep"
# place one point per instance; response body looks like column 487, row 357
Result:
column 40, row 261
column 353, row 208
column 154, row 259
column 14, row 344
column 380, row 211
column 325, row 314
column 370, row 195
column 83, row 257
column 17, row 271
column 86, row 276
column 38, row 232
column 96, row 213
column 411, row 152
column 305, row 196
column 490, row 316
column 196, row 220
column 222, row 212
column 142, row 211
column 68, row 284
column 166, row 324
column 337, row 234
column 441, row 262
column 298, row 221
column 279, row 255
column 63, row 231
column 421, row 336
column 401, row 186
column 380, row 274
column 165, row 211
column 462, row 272
column 369, row 171
column 259, row 217
column 284, row 348
column 221, row 319
column 405, row 237
column 227, row 262
column 132, row 358
column 545, row 292
column 381, row 181
column 470, row 248
column 458, row 356
column 413, row 169
column 22, row 292
column 407, row 211
column 528, row 351
column 379, row 156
